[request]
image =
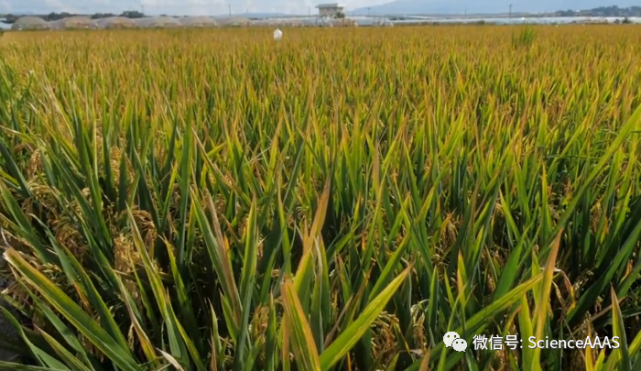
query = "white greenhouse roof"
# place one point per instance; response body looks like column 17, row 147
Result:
column 116, row 21
column 157, row 21
column 198, row 21
column 29, row 23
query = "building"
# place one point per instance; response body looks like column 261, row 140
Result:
column 330, row 10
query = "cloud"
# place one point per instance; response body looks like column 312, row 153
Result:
column 60, row 6
column 5, row 6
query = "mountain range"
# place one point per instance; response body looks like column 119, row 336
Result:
column 442, row 7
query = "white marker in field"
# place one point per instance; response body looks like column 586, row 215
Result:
column 278, row 34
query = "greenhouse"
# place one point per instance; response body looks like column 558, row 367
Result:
column 235, row 21
column 158, row 22
column 344, row 22
column 30, row 23
column 116, row 23
column 279, row 22
column 73, row 23
column 319, row 22
column 198, row 22
column 369, row 21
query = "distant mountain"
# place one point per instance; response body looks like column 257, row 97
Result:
column 425, row 7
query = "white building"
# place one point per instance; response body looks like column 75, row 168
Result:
column 330, row 10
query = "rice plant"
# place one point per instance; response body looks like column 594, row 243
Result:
column 524, row 37
column 211, row 200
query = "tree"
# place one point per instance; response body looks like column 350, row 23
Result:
column 132, row 14
column 56, row 16
column 9, row 19
column 340, row 15
column 102, row 15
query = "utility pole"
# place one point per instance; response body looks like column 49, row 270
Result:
column 368, row 8
column 510, row 15
column 229, row 6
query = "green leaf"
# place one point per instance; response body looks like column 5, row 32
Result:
column 352, row 334
column 298, row 330
column 122, row 357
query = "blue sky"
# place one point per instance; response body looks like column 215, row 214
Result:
column 213, row 7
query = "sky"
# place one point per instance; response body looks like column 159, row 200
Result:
column 186, row 7
column 220, row 7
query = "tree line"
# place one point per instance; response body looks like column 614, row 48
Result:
column 603, row 11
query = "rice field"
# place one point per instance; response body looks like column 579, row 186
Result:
column 339, row 200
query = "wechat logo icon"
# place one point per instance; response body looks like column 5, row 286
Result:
column 452, row 339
